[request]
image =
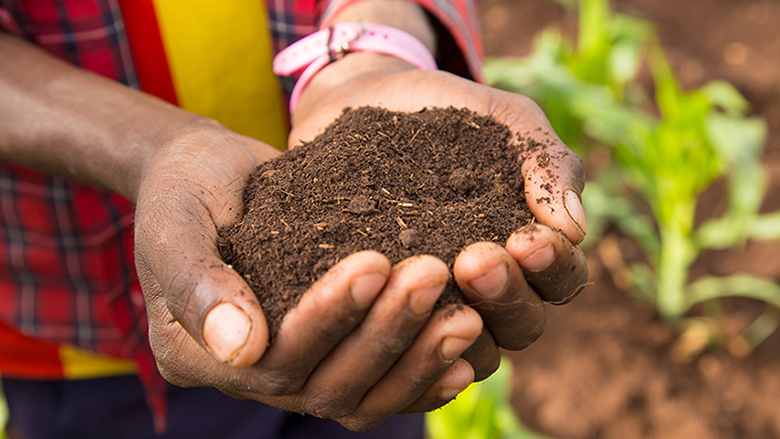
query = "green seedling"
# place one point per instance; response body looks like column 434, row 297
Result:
column 664, row 152
column 3, row 415
column 482, row 411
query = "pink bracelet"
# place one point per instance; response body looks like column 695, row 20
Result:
column 312, row 53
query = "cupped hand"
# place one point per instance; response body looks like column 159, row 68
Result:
column 362, row 344
column 541, row 262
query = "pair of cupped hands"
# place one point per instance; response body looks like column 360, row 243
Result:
column 364, row 342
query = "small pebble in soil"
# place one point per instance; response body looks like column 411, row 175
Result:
column 409, row 238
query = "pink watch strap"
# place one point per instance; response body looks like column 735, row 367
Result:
column 312, row 53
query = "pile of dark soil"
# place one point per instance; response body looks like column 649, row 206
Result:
column 430, row 182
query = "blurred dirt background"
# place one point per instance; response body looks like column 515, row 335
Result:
column 606, row 366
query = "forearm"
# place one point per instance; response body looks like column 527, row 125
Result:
column 64, row 121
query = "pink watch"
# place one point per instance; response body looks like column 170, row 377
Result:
column 310, row 54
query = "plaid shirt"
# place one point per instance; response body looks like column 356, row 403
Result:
column 66, row 252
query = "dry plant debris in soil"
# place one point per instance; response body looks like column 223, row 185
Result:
column 403, row 184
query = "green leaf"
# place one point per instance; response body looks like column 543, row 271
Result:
column 720, row 233
column 736, row 139
column 4, row 415
column 624, row 61
column 668, row 91
column 740, row 222
column 593, row 17
column 602, row 203
column 482, row 411
column 762, row 327
column 724, row 95
column 738, row 142
column 701, row 135
column 739, row 285
column 766, row 227
column 645, row 282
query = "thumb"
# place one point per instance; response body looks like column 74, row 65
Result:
column 232, row 327
column 554, row 175
column 554, row 179
column 178, row 263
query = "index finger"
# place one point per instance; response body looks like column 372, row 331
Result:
column 494, row 285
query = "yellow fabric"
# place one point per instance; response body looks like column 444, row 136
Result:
column 220, row 58
column 77, row 364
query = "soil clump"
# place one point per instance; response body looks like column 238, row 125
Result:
column 403, row 184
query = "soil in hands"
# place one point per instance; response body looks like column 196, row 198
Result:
column 402, row 184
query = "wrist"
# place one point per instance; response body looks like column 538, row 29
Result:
column 149, row 130
column 308, row 56
column 400, row 14
column 343, row 74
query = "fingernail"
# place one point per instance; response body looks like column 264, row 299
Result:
column 447, row 393
column 422, row 300
column 452, row 347
column 364, row 289
column 539, row 259
column 492, row 283
column 226, row 330
column 450, row 393
column 571, row 200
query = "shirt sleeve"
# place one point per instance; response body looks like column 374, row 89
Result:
column 457, row 25
column 8, row 23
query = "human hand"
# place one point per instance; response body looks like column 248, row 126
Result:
column 361, row 344
column 186, row 174
column 540, row 262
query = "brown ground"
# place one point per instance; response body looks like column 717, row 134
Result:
column 603, row 367
column 400, row 184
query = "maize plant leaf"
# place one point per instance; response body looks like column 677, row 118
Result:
column 762, row 327
column 482, row 411
column 766, row 226
column 738, row 142
column 593, row 18
column 718, row 234
column 609, row 46
column 603, row 205
column 736, row 139
column 645, row 282
column 590, row 93
column 740, row 221
column 742, row 285
column 623, row 61
column 625, row 27
column 4, row 415
column 726, row 97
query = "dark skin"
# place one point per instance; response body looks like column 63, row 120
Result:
column 364, row 342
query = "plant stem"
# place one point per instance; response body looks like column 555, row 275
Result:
column 677, row 254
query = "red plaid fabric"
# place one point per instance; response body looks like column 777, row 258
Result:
column 65, row 258
column 66, row 255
